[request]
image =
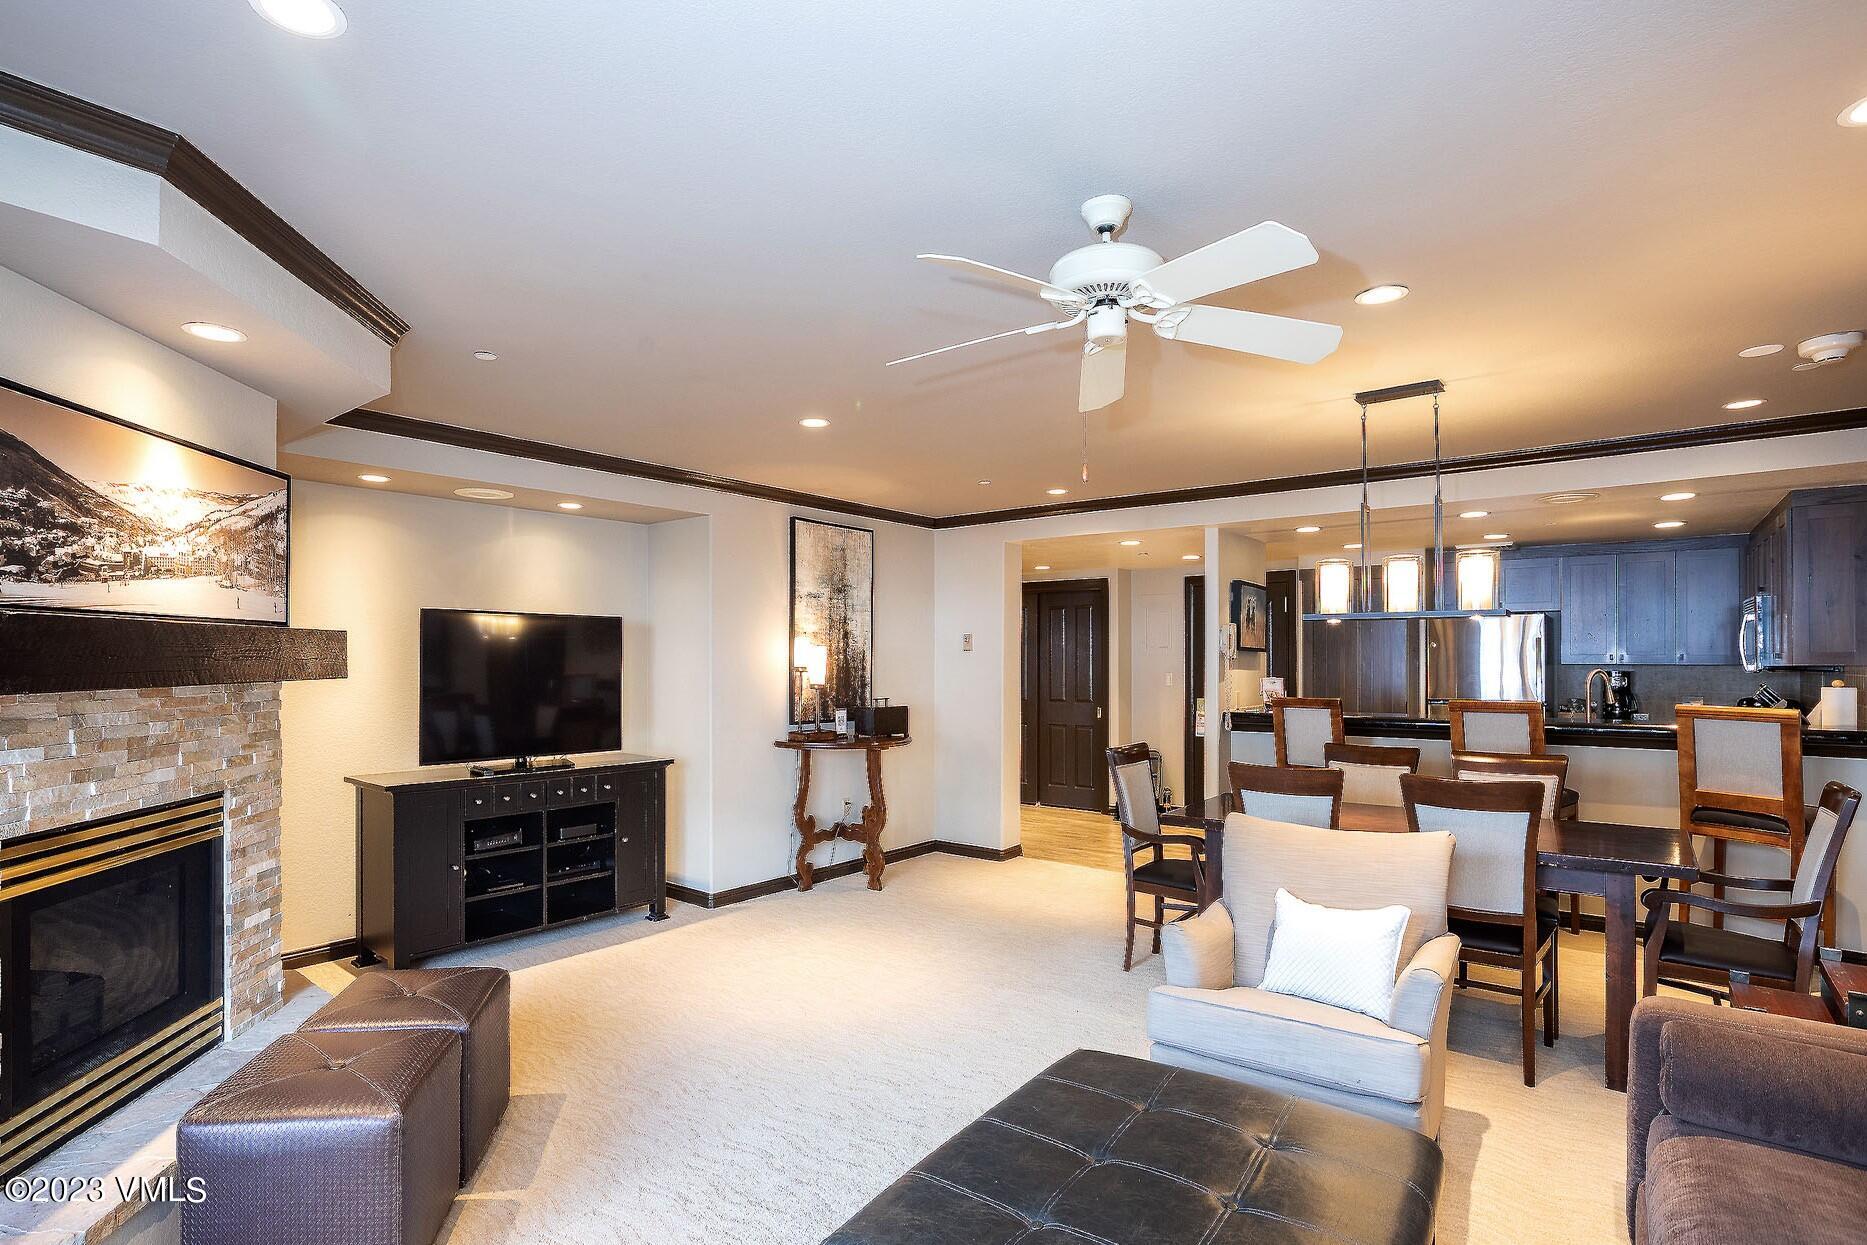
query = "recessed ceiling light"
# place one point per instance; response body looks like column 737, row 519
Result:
column 1669, row 523
column 1375, row 295
column 1128, row 542
column 373, row 478
column 1743, row 404
column 484, row 494
column 1308, row 529
column 1677, row 496
column 983, row 483
column 814, row 421
column 1041, row 566
column 1567, row 499
column 1056, row 492
column 1474, row 514
column 314, row 19
column 1352, row 545
column 485, row 356
column 1497, row 535
column 1757, row 352
column 1855, row 114
column 213, row 332
column 1189, row 557
column 570, row 505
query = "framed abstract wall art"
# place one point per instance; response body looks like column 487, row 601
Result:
column 832, row 613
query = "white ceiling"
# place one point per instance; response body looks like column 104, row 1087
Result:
column 428, row 484
column 683, row 227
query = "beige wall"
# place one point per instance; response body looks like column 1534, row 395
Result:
column 366, row 562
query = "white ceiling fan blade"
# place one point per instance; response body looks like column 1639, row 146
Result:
column 1264, row 250
column 1277, row 337
column 1035, row 328
column 1004, row 276
column 1105, row 376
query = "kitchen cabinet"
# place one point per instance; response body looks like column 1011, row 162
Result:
column 1810, row 554
column 1709, row 594
column 1590, row 609
column 1529, row 585
column 1646, row 617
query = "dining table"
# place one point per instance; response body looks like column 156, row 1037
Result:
column 1573, row 857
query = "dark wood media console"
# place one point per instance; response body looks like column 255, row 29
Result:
column 446, row 859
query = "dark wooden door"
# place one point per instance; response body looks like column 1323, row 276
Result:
column 1647, row 628
column 1069, row 698
column 430, row 914
column 1195, row 645
column 637, row 812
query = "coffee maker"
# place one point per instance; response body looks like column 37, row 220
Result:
column 1622, row 703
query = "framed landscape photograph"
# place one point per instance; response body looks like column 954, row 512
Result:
column 832, row 609
column 98, row 514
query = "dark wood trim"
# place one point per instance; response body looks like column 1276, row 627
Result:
column 43, row 651
column 842, row 869
column 1376, row 755
column 36, row 109
column 306, row 957
column 565, row 456
column 1572, row 451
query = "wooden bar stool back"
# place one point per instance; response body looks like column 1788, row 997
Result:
column 1740, row 780
column 1496, row 726
column 1301, row 726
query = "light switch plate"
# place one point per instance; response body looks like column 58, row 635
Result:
column 965, row 642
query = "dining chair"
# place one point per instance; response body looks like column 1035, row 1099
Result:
column 1740, row 780
column 1175, row 884
column 1492, row 902
column 1301, row 797
column 1301, row 726
column 1371, row 774
column 1702, row 959
column 1496, row 726
column 1552, row 771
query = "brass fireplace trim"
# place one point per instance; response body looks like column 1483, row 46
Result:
column 44, row 1124
column 33, row 865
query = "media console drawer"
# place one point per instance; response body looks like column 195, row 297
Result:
column 447, row 860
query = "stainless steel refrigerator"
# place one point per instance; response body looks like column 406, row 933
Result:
column 1412, row 666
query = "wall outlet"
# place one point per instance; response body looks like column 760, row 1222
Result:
column 965, row 643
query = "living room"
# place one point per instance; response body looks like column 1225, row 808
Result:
column 481, row 615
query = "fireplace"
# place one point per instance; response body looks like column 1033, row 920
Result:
column 111, row 965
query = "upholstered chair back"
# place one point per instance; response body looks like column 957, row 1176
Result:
column 1822, row 848
column 1742, row 757
column 1371, row 775
column 1302, row 797
column 1550, row 771
column 1336, row 868
column 1134, row 796
column 1302, row 725
column 1492, row 726
column 1495, row 825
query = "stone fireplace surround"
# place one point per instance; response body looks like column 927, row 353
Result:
column 69, row 757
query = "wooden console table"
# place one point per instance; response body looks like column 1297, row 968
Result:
column 866, row 830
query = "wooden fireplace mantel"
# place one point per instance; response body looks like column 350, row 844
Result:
column 44, row 651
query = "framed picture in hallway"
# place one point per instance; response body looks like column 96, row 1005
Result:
column 1251, row 615
column 832, row 610
column 98, row 514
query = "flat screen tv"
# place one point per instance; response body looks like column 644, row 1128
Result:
column 498, row 686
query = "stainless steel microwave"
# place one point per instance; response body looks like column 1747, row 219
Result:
column 1760, row 633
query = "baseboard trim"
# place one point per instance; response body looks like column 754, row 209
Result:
column 342, row 949
column 841, row 869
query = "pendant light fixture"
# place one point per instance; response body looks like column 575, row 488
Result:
column 1403, row 586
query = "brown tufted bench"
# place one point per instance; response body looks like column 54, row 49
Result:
column 328, row 1139
column 475, row 1003
column 1121, row 1151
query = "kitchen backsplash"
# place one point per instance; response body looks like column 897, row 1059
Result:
column 1661, row 687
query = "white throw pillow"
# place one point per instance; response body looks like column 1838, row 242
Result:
column 1344, row 957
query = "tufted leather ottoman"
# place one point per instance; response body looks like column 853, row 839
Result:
column 475, row 1003
column 1106, row 1148
column 327, row 1139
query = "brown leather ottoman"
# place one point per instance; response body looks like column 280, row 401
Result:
column 475, row 1003
column 328, row 1139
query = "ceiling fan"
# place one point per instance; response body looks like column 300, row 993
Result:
column 1108, row 283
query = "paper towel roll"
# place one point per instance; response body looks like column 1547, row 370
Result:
column 1840, row 708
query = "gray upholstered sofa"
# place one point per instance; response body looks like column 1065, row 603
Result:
column 1744, row 1127
column 1211, row 1016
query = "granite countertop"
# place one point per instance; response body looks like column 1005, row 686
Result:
column 1659, row 731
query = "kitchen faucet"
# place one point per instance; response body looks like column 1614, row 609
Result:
column 1588, row 693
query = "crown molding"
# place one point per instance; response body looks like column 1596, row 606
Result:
column 35, row 109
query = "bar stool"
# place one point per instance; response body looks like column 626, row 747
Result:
column 1740, row 780
column 1496, row 726
column 1302, row 725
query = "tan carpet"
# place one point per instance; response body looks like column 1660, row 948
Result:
column 757, row 1074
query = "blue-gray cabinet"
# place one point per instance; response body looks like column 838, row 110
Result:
column 1590, row 609
column 1637, row 605
column 1710, row 593
column 1646, row 629
column 1530, row 584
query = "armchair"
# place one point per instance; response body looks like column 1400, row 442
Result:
column 1212, row 1017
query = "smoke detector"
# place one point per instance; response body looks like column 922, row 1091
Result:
column 1828, row 348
